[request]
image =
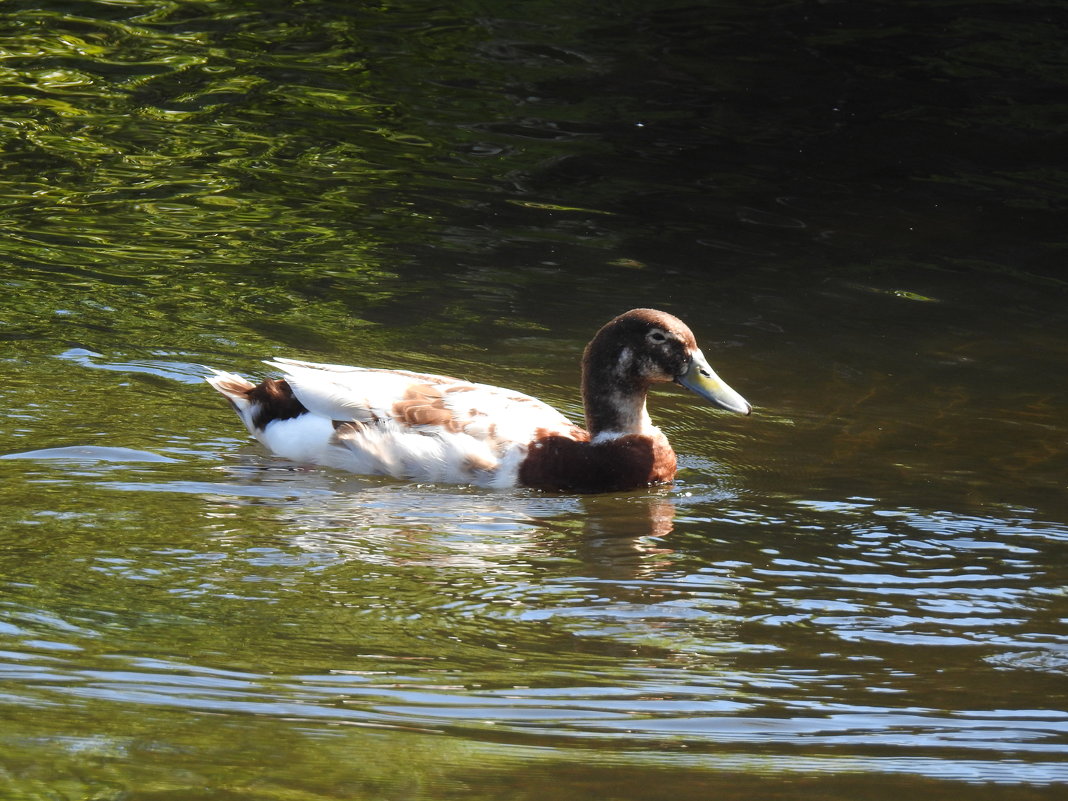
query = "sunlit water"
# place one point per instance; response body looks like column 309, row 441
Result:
column 858, row 591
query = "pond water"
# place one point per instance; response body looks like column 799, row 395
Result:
column 858, row 591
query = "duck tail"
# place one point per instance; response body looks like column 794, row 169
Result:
column 236, row 390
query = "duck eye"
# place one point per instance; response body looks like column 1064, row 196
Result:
column 657, row 336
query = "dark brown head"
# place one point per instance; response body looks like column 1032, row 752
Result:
column 639, row 348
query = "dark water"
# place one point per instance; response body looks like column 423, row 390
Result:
column 857, row 592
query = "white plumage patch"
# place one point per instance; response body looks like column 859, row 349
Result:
column 406, row 425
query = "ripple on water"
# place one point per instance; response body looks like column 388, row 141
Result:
column 645, row 712
column 540, row 618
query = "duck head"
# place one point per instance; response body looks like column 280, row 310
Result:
column 635, row 350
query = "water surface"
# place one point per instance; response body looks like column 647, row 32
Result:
column 858, row 591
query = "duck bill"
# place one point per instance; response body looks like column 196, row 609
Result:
column 702, row 379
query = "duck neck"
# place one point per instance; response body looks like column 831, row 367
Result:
column 614, row 401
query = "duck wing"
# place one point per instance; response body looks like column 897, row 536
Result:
column 427, row 403
column 423, row 426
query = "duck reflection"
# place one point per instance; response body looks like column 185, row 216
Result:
column 619, row 536
column 385, row 522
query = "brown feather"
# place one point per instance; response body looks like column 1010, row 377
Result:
column 273, row 400
column 627, row 462
column 424, row 405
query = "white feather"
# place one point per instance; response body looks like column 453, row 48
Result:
column 483, row 441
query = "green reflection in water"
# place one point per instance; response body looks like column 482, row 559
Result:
column 844, row 586
column 201, row 167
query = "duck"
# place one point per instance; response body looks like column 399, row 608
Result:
column 437, row 429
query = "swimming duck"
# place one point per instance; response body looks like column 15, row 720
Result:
column 438, row 429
